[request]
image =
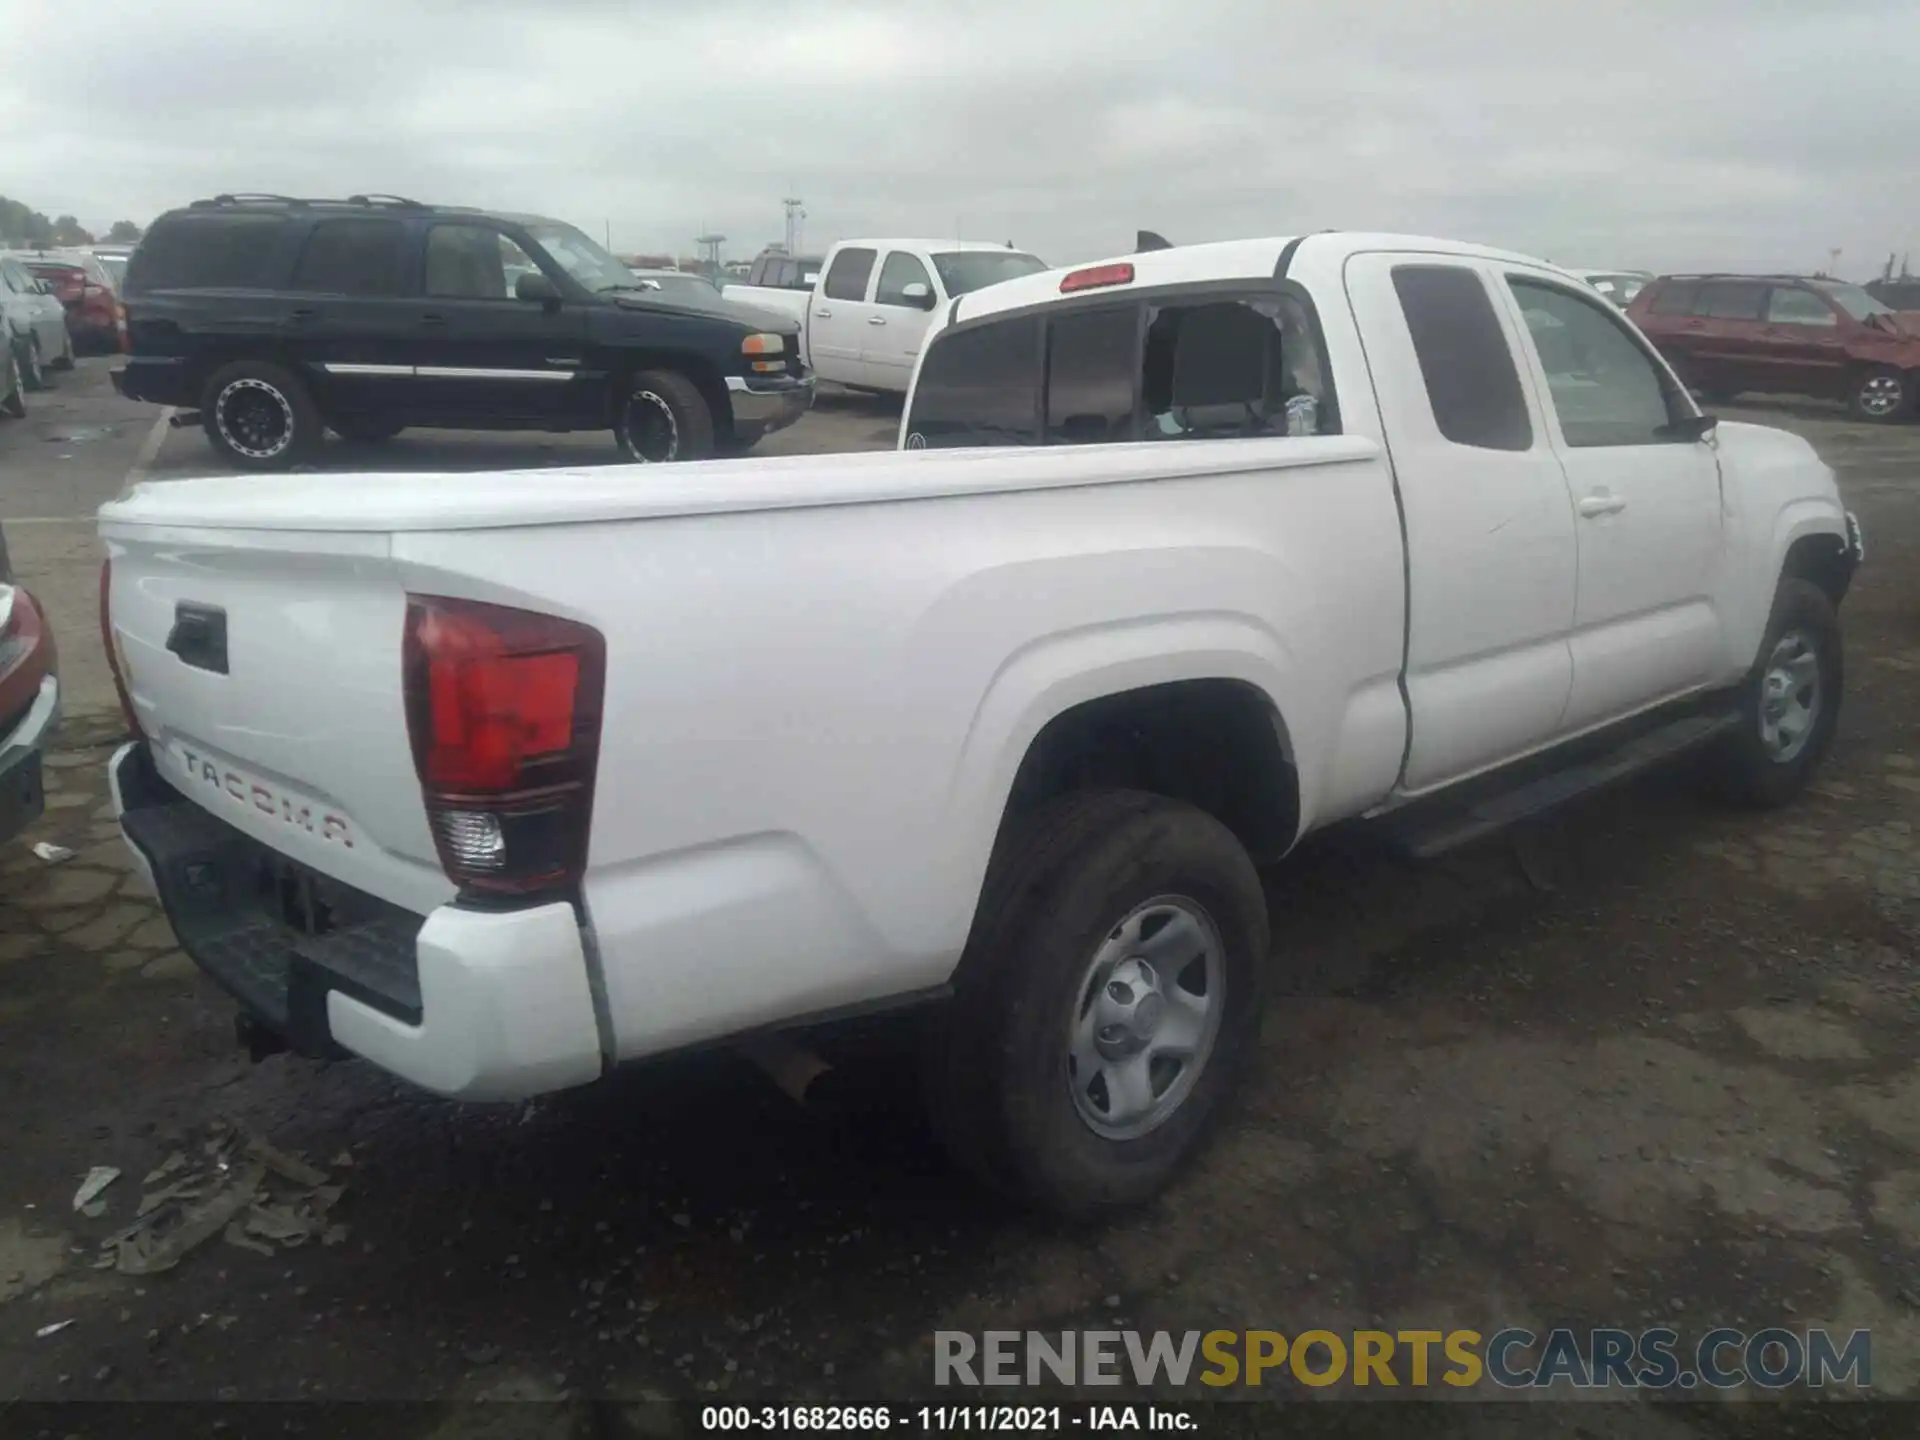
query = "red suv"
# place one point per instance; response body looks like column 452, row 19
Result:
column 1783, row 335
column 86, row 288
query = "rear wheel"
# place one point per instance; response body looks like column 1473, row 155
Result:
column 1109, row 997
column 65, row 360
column 661, row 416
column 259, row 416
column 1789, row 703
column 365, row 432
column 1881, row 394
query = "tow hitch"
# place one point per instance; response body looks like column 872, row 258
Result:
column 256, row 1039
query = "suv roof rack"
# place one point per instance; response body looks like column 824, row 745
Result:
column 399, row 202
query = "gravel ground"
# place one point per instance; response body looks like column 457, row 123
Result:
column 1672, row 1079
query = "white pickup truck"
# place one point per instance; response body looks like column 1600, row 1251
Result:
column 863, row 322
column 501, row 780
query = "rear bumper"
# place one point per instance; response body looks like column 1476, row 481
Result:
column 761, row 407
column 156, row 379
column 471, row 1004
column 22, row 793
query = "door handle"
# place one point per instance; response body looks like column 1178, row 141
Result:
column 876, row 319
column 823, row 314
column 1592, row 507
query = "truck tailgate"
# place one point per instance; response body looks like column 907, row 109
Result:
column 264, row 667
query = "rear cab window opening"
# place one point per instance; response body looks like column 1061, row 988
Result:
column 1207, row 360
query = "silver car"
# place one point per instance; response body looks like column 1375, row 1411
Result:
column 36, row 323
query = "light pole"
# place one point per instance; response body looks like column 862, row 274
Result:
column 796, row 212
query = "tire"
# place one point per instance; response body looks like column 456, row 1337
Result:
column 33, row 375
column 365, row 432
column 66, row 360
column 1005, row 1093
column 1881, row 395
column 13, row 398
column 1756, row 765
column 660, row 416
column 259, row 416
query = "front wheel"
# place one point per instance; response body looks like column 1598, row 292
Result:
column 32, row 374
column 13, row 400
column 661, row 416
column 1108, row 999
column 1881, row 394
column 1789, row 703
column 259, row 416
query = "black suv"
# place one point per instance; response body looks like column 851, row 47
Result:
column 276, row 319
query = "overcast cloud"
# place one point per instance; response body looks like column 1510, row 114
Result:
column 1689, row 134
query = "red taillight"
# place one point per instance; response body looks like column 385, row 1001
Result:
column 503, row 708
column 113, row 650
column 1096, row 276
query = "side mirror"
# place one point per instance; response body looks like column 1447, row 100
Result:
column 536, row 287
column 918, row 295
column 1691, row 428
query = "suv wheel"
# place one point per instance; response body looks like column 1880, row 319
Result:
column 661, row 416
column 13, row 400
column 1108, row 999
column 1881, row 394
column 259, row 416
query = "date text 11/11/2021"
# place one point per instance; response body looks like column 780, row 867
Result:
column 947, row 1419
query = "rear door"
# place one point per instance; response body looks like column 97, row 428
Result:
column 837, row 324
column 1490, row 532
column 1647, row 619
column 1804, row 349
column 898, row 324
column 1726, row 330
column 352, row 325
column 482, row 355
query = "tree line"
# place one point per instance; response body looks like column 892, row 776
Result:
column 25, row 228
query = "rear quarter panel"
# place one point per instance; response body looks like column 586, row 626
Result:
column 814, row 715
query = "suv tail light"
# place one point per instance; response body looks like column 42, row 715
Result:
column 113, row 652
column 503, row 708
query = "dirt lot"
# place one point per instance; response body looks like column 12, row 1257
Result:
column 1681, row 1086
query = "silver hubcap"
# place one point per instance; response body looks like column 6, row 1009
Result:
column 254, row 418
column 652, row 434
column 1145, row 1017
column 1790, row 696
column 1881, row 395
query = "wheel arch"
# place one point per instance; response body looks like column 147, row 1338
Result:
column 700, row 370
column 1218, row 743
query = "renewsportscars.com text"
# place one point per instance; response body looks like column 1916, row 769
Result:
column 1511, row 1358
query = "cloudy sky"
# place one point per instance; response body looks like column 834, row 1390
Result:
column 1658, row 134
